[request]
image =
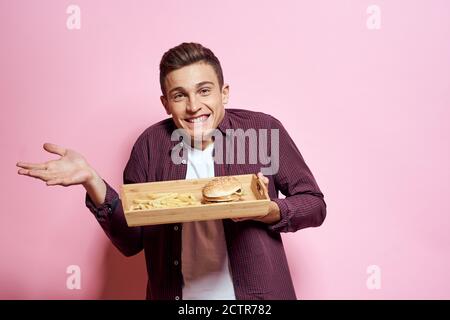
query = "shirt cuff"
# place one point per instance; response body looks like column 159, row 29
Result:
column 281, row 225
column 102, row 211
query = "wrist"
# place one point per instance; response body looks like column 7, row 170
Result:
column 274, row 214
column 95, row 187
column 92, row 179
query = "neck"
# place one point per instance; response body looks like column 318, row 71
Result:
column 202, row 145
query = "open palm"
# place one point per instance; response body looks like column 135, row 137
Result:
column 69, row 170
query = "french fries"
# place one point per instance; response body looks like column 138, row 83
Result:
column 165, row 200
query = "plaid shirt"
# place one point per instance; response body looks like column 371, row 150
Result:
column 258, row 262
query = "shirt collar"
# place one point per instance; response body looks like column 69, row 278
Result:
column 225, row 123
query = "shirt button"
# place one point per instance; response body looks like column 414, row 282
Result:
column 175, row 228
column 177, row 298
column 183, row 161
column 175, row 262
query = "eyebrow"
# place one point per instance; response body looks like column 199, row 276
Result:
column 200, row 84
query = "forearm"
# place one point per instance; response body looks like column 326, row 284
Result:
column 304, row 205
column 273, row 216
column 96, row 188
column 111, row 218
column 300, row 211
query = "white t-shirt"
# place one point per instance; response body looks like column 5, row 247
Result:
column 204, row 257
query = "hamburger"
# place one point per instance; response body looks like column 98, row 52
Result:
column 222, row 189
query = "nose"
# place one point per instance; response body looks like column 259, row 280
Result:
column 192, row 105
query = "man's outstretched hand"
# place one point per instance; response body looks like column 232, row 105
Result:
column 70, row 169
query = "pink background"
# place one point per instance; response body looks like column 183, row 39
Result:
column 368, row 109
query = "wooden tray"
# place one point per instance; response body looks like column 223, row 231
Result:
column 254, row 202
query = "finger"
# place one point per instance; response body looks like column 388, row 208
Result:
column 28, row 165
column 22, row 171
column 34, row 172
column 264, row 179
column 259, row 218
column 31, row 174
column 53, row 148
column 40, row 174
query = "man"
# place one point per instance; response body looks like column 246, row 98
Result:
column 219, row 259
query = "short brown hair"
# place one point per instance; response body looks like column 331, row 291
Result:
column 186, row 54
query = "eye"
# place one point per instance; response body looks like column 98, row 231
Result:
column 178, row 96
column 205, row 91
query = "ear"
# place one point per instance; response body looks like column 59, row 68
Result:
column 225, row 93
column 165, row 104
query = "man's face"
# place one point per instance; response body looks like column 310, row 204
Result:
column 195, row 99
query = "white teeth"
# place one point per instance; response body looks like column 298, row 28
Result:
column 199, row 119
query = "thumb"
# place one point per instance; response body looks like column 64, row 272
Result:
column 53, row 148
column 263, row 178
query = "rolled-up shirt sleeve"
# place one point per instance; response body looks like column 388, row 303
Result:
column 110, row 214
column 304, row 205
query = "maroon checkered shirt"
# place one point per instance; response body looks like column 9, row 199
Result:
column 258, row 262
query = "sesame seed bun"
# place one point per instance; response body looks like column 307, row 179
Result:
column 222, row 189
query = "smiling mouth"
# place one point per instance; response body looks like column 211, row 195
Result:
column 198, row 119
